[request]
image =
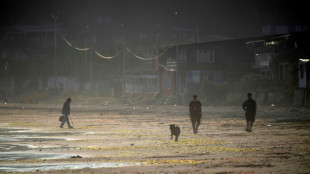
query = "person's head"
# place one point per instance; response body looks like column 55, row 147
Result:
column 249, row 95
column 195, row 97
column 68, row 100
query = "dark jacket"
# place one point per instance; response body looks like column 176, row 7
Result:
column 195, row 109
column 250, row 107
column 66, row 108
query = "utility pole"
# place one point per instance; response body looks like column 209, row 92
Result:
column 90, row 59
column 55, row 16
column 124, row 63
column 177, row 13
column 91, row 69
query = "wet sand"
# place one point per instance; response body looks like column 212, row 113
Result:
column 136, row 139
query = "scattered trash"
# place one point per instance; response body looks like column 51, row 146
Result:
column 272, row 105
column 175, row 104
column 268, row 125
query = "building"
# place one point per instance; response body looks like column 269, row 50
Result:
column 23, row 47
column 201, row 64
column 284, row 58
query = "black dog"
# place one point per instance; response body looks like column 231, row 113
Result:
column 175, row 130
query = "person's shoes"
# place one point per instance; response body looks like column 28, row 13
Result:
column 250, row 131
column 196, row 131
column 70, row 127
column 61, row 127
column 247, row 129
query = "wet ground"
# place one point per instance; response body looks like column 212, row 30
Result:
column 136, row 139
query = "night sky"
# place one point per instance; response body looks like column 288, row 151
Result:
column 222, row 17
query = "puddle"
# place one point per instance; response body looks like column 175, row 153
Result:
column 13, row 147
column 60, row 166
column 21, row 135
column 13, row 156
column 12, row 152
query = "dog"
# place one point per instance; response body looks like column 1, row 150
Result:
column 175, row 130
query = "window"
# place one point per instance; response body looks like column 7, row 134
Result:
column 262, row 59
column 205, row 55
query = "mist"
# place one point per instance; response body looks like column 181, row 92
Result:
column 124, row 74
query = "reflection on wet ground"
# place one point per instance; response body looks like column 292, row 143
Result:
column 20, row 135
column 58, row 166
column 11, row 152
column 21, row 155
column 12, row 147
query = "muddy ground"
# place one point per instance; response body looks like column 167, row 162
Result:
column 136, row 139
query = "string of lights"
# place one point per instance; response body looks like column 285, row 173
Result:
column 152, row 58
column 85, row 49
column 79, row 49
column 111, row 57
column 105, row 57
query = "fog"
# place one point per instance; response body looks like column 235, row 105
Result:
column 104, row 86
column 129, row 50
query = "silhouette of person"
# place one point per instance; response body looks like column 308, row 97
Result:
column 66, row 112
column 195, row 113
column 249, row 106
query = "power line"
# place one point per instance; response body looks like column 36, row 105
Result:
column 143, row 58
column 105, row 57
column 111, row 57
column 79, row 49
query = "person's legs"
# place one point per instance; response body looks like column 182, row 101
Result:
column 68, row 122
column 193, row 124
column 251, row 125
column 66, row 119
column 197, row 125
column 247, row 125
column 63, row 122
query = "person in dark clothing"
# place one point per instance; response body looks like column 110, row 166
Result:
column 249, row 106
column 66, row 112
column 195, row 113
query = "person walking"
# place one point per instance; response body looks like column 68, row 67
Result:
column 249, row 106
column 66, row 112
column 195, row 113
